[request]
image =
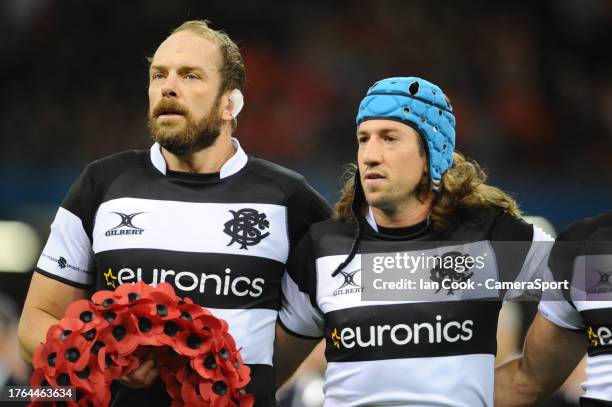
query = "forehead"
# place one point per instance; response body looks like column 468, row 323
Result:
column 374, row 126
column 187, row 48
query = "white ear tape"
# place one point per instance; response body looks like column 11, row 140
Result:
column 237, row 101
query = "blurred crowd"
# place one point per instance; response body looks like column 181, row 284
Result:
column 530, row 83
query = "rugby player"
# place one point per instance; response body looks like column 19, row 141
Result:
column 568, row 323
column 194, row 211
column 411, row 193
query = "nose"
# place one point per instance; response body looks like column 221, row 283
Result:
column 169, row 88
column 371, row 152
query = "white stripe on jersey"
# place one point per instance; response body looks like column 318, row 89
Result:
column 67, row 253
column 598, row 384
column 457, row 381
column 292, row 315
column 194, row 227
column 251, row 329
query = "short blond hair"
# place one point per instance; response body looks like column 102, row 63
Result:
column 232, row 72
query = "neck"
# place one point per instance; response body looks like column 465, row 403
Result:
column 411, row 214
column 208, row 160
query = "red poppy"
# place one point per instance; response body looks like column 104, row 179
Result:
column 133, row 293
column 86, row 312
column 121, row 335
column 45, row 357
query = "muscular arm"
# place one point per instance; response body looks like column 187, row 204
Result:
column 289, row 352
column 44, row 306
column 550, row 353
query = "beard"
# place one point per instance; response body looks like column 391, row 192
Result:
column 184, row 139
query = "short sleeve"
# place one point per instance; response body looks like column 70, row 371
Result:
column 299, row 314
column 67, row 255
column 306, row 206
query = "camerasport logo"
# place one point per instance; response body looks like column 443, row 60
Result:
column 126, row 225
column 63, row 263
column 403, row 334
column 224, row 283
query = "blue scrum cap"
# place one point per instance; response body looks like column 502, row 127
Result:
column 421, row 105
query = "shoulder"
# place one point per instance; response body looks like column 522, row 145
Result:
column 493, row 223
column 596, row 228
column 276, row 173
column 109, row 167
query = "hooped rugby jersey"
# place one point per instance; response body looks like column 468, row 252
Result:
column 406, row 353
column 221, row 239
column 583, row 255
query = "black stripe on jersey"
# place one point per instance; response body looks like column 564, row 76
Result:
column 411, row 330
column 589, row 402
column 213, row 280
column 61, row 279
column 297, row 335
column 598, row 330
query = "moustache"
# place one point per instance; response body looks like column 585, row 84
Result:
column 169, row 107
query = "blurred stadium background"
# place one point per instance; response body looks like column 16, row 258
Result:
column 531, row 84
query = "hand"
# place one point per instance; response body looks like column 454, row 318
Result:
column 143, row 376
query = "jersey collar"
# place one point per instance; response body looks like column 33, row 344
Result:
column 231, row 166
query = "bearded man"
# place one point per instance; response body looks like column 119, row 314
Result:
column 195, row 211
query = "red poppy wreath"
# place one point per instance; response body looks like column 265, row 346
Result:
column 99, row 341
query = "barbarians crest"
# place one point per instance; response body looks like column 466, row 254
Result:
column 246, row 227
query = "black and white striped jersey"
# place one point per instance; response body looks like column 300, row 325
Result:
column 583, row 255
column 405, row 353
column 221, row 239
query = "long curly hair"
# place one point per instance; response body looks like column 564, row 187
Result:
column 463, row 187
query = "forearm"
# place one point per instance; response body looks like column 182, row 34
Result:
column 33, row 327
column 515, row 386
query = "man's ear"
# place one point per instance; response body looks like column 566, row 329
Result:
column 227, row 107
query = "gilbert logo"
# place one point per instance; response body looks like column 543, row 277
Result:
column 604, row 285
column 403, row 334
column 126, row 226
column 348, row 285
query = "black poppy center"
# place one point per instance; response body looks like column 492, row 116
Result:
column 107, row 302
column 83, row 374
column 171, row 328
column 65, row 334
column 193, row 342
column 63, row 379
column 186, row 315
column 162, row 310
column 210, row 362
column 224, row 354
column 119, row 332
column 220, row 388
column 72, row 355
column 89, row 335
column 51, row 359
column 96, row 347
column 110, row 316
column 145, row 325
column 86, row 316
column 133, row 297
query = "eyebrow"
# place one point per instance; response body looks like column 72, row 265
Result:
column 186, row 68
column 383, row 131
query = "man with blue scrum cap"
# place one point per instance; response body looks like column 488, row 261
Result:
column 412, row 197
